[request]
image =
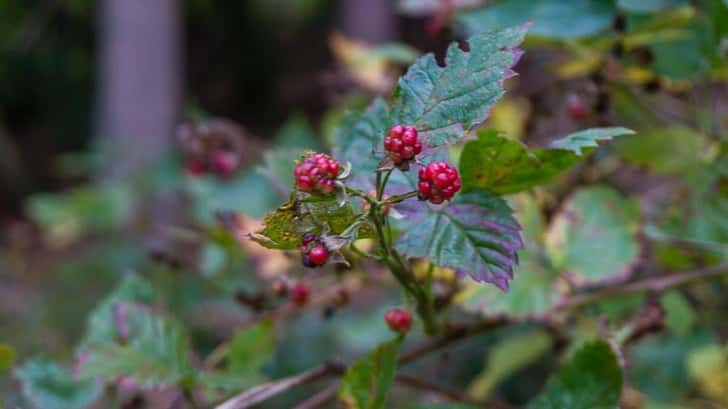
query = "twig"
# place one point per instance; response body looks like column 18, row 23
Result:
column 323, row 397
column 653, row 284
column 452, row 334
column 260, row 393
column 459, row 332
column 450, row 394
column 325, row 295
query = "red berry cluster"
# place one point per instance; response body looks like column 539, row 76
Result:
column 316, row 173
column 220, row 163
column 402, row 144
column 438, row 182
column 398, row 320
column 313, row 252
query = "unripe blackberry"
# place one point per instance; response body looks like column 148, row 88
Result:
column 398, row 320
column 438, row 182
column 313, row 251
column 316, row 173
column 402, row 144
column 299, row 293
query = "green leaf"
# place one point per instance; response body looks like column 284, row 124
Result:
column 101, row 327
column 249, row 193
column 588, row 138
column 702, row 217
column 297, row 133
column 679, row 315
column 593, row 237
column 684, row 58
column 536, row 290
column 366, row 383
column 551, row 18
column 658, row 365
column 672, row 151
column 444, row 103
column 66, row 216
column 251, row 348
column 504, row 166
column 507, row 357
column 708, row 367
column 152, row 350
column 440, row 406
column 359, row 135
column 7, row 357
column 278, row 165
column 475, row 234
column 283, row 227
column 647, row 6
column 591, row 379
column 49, row 386
column 399, row 53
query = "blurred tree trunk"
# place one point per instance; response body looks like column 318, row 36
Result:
column 140, row 80
column 373, row 21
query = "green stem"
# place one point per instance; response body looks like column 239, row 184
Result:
column 398, row 267
column 425, row 308
column 383, row 184
column 399, row 198
column 358, row 193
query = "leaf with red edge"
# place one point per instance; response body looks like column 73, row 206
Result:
column 476, row 235
column 445, row 103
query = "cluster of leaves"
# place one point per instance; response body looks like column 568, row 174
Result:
column 475, row 234
column 129, row 343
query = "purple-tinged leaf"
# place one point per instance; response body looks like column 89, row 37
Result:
column 444, row 103
column 475, row 235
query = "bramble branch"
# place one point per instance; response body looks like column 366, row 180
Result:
column 455, row 333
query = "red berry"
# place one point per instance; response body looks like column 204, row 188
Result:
column 318, row 255
column 398, row 320
column 223, row 163
column 402, row 144
column 577, row 108
column 316, row 173
column 313, row 252
column 438, row 182
column 299, row 293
